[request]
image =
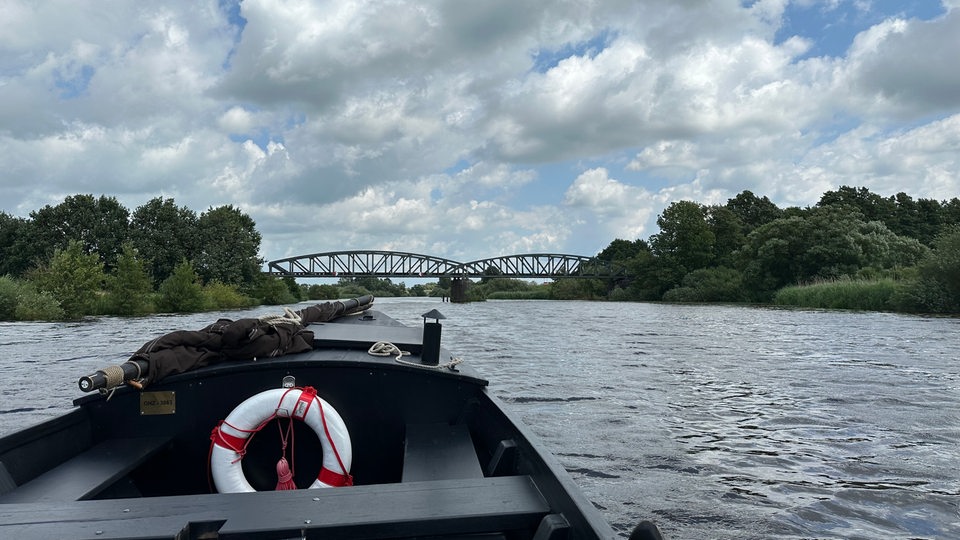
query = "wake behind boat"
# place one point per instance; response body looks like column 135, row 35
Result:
column 332, row 422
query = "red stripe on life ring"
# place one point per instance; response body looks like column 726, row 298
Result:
column 228, row 441
column 334, row 479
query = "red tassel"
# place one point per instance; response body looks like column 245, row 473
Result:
column 284, row 476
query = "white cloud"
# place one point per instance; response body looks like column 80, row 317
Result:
column 620, row 210
column 566, row 123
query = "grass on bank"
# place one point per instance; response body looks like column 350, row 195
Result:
column 865, row 295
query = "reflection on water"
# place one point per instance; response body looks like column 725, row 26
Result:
column 715, row 421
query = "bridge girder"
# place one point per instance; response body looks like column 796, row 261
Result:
column 538, row 265
column 362, row 264
column 365, row 263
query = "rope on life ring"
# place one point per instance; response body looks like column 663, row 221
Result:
column 229, row 439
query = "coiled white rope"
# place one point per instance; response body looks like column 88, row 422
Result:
column 288, row 317
column 385, row 348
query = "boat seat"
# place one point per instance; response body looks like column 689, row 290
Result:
column 90, row 473
column 463, row 507
column 439, row 452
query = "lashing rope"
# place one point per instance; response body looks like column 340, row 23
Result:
column 288, row 317
column 385, row 348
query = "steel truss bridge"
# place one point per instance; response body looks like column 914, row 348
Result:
column 414, row 265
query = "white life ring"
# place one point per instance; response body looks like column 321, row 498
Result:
column 230, row 437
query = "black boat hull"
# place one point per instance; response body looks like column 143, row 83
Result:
column 434, row 455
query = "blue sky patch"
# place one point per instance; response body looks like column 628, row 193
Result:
column 73, row 83
column 545, row 59
column 832, row 28
column 460, row 166
column 232, row 9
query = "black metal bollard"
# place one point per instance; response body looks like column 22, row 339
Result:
column 430, row 354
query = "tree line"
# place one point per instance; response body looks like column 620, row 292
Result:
column 853, row 249
column 897, row 253
column 90, row 255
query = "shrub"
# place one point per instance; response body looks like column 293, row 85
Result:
column 923, row 295
column 181, row 292
column 218, row 295
column 272, row 291
column 34, row 305
column 718, row 284
column 534, row 294
column 323, row 292
column 129, row 287
column 9, row 290
column 73, row 277
column 682, row 294
column 618, row 295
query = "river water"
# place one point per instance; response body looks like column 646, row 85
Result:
column 714, row 421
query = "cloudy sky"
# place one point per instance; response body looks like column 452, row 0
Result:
column 473, row 129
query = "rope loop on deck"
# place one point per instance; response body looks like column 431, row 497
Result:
column 385, row 348
column 446, row 365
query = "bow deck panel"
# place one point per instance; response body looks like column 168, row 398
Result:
column 362, row 335
column 386, row 511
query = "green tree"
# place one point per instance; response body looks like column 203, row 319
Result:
column 272, row 290
column 292, row 286
column 9, row 290
column 383, row 287
column 16, row 247
column 577, row 289
column 220, row 296
column 685, row 241
column 623, row 250
column 920, row 219
column 164, row 234
column 728, row 232
column 418, row 290
column 753, row 211
column 648, row 278
column 719, row 284
column 181, row 292
column 930, row 221
column 229, row 246
column 871, row 206
column 942, row 266
column 20, row 301
column 100, row 225
column 322, row 292
column 827, row 243
column 490, row 273
column 74, row 278
column 950, row 212
column 129, row 287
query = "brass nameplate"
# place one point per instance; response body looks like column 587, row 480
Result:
column 158, row 402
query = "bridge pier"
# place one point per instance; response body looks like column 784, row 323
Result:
column 458, row 290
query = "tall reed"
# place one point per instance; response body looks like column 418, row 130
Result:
column 869, row 295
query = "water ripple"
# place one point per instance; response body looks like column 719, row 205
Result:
column 715, row 421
